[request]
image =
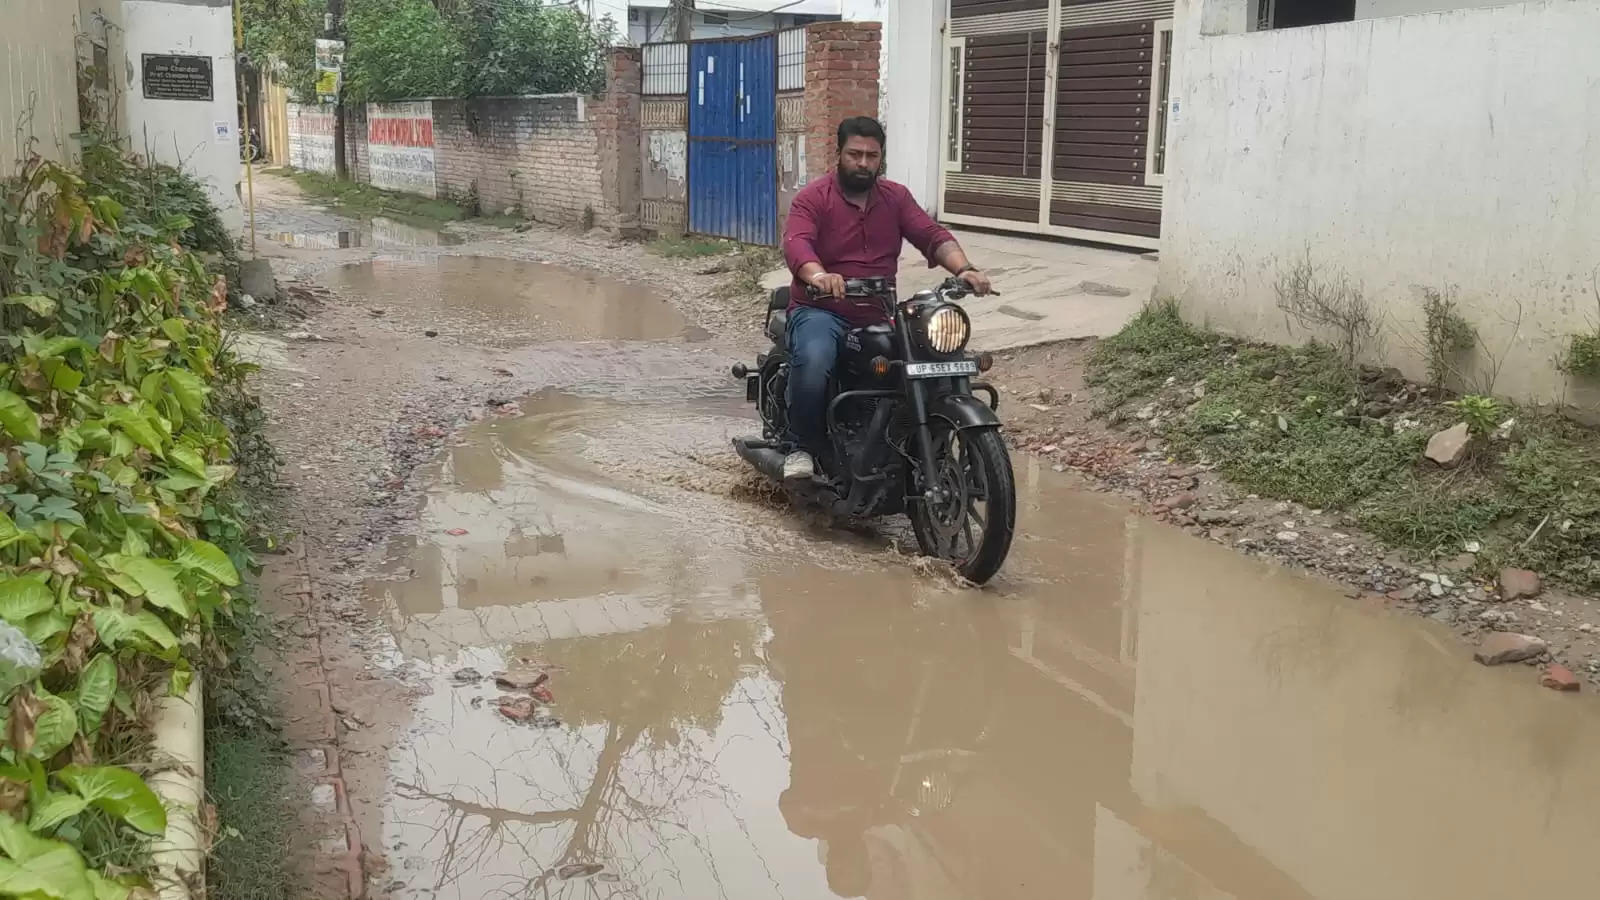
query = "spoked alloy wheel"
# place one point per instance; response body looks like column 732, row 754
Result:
column 971, row 523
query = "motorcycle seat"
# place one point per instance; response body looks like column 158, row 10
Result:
column 778, row 327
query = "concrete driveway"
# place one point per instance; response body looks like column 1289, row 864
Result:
column 1049, row 290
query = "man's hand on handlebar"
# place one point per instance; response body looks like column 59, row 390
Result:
column 977, row 281
column 829, row 283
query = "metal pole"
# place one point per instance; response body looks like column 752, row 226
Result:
column 249, row 167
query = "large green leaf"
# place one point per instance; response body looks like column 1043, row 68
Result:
column 40, row 868
column 118, row 628
column 52, row 347
column 56, row 726
column 63, row 377
column 97, row 685
column 23, row 597
column 160, row 587
column 204, row 556
column 137, row 426
column 18, row 418
column 189, row 389
column 46, row 625
column 120, row 793
column 191, row 461
column 9, row 533
column 106, row 889
column 56, row 808
column 38, row 304
column 175, row 329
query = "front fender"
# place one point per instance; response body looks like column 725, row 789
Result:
column 964, row 411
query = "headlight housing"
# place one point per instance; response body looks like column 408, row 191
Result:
column 945, row 329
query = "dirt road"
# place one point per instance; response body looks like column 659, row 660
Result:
column 502, row 465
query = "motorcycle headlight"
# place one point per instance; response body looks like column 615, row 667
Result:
column 947, row 329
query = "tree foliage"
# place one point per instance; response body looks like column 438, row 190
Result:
column 402, row 49
column 285, row 31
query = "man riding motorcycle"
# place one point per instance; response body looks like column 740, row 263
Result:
column 848, row 224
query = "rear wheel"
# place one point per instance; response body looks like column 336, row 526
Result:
column 971, row 525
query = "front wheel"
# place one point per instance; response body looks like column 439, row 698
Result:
column 971, row 525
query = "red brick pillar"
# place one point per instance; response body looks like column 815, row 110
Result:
column 841, row 81
column 616, row 122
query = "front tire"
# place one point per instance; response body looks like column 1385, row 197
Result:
column 973, row 526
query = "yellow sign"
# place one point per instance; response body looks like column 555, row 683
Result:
column 327, row 84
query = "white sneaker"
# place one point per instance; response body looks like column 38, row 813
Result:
column 799, row 466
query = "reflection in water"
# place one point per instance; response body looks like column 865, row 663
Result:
column 1131, row 715
column 378, row 232
column 492, row 298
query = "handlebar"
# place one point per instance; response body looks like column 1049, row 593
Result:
column 951, row 288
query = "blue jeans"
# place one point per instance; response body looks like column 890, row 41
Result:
column 815, row 336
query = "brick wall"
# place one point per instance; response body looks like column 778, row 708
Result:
column 617, row 129
column 563, row 159
column 533, row 155
column 841, row 81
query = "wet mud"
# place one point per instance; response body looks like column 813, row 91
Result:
column 739, row 705
column 500, row 302
column 739, row 702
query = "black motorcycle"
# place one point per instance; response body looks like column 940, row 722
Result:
column 906, row 433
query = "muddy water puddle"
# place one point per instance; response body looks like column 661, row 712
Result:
column 498, row 301
column 740, row 707
column 378, row 232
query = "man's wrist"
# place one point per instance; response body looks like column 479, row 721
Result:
column 969, row 267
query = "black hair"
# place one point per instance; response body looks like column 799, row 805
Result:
column 862, row 126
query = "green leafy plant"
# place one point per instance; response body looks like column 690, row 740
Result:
column 403, row 49
column 1583, row 355
column 122, row 531
column 1482, row 414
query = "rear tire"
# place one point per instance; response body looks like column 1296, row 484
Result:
column 974, row 468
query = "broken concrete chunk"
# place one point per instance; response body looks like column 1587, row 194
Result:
column 1559, row 678
column 1505, row 647
column 1518, row 583
column 517, row 709
column 520, row 679
column 1449, row 447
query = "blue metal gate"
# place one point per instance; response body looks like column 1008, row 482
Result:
column 733, row 131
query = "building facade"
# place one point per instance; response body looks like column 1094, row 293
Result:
column 1405, row 148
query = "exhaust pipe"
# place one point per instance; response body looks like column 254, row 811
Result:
column 767, row 459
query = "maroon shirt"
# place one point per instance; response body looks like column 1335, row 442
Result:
column 852, row 241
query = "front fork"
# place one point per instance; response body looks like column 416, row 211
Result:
column 917, row 391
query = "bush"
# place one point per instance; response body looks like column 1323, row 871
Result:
column 402, row 49
column 122, row 533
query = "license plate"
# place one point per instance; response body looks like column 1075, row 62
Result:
column 941, row 369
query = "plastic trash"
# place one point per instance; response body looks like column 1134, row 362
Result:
column 19, row 659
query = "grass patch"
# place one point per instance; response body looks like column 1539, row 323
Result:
column 249, row 773
column 1298, row 423
column 689, row 247
column 365, row 201
column 748, row 268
